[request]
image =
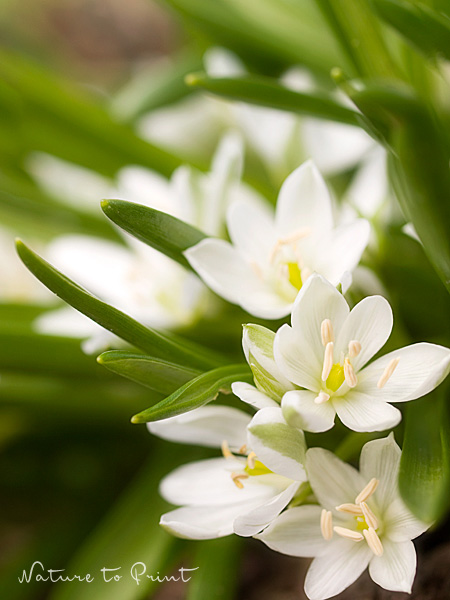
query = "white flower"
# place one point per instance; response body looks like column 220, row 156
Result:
column 271, row 257
column 326, row 350
column 361, row 521
column 240, row 492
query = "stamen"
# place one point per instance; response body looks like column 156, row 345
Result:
column 349, row 374
column 243, row 449
column 326, row 524
column 349, row 534
column 236, row 477
column 257, row 269
column 327, row 360
column 226, row 450
column 251, row 459
column 373, row 541
column 367, row 491
column 354, row 348
column 290, row 239
column 387, row 373
column 326, row 332
column 369, row 517
column 322, row 397
column 351, row 509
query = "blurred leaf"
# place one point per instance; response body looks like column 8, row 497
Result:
column 158, row 375
column 425, row 466
column 149, row 340
column 423, row 27
column 159, row 230
column 218, row 562
column 268, row 92
column 197, row 392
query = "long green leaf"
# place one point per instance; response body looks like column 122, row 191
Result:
column 151, row 341
column 195, row 393
column 268, row 92
column 425, row 467
column 158, row 375
column 159, row 230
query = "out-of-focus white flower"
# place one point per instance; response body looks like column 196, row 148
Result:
column 134, row 277
column 360, row 522
column 273, row 255
column 325, row 353
column 242, row 492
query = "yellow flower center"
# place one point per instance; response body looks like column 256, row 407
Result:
column 336, row 377
column 294, row 275
column 258, row 468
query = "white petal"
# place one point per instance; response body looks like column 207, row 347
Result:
column 395, row 570
column 300, row 410
column 370, row 323
column 295, row 360
column 205, row 426
column 296, row 532
column 203, row 522
column 254, row 521
column 251, row 395
column 278, row 446
column 333, row 481
column 400, row 524
column 421, row 368
column 304, row 201
column 337, row 568
column 208, row 482
column 146, row 187
column 361, row 412
column 251, row 230
column 381, row 459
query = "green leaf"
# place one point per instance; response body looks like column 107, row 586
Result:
column 264, row 91
column 197, row 392
column 158, row 375
column 424, row 478
column 163, row 346
column 423, row 27
column 159, row 230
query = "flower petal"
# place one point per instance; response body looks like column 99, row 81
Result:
column 400, row 524
column 395, row 569
column 361, row 412
column 295, row 360
column 333, row 481
column 300, row 410
column 251, row 230
column 254, row 521
column 370, row 323
column 296, row 532
column 381, row 459
column 304, row 201
column 422, row 367
column 251, row 395
column 278, row 446
column 206, row 426
column 337, row 568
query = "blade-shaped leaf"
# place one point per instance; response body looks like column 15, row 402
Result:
column 158, row 375
column 161, row 231
column 268, row 92
column 197, row 392
column 167, row 347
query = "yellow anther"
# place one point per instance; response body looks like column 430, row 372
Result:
column 373, row 541
column 326, row 332
column 321, row 398
column 327, row 360
column 326, row 524
column 349, row 374
column 349, row 534
column 387, row 373
column 354, row 348
column 350, row 509
column 236, row 477
column 367, row 491
column 243, row 449
column 226, row 450
column 369, row 517
column 251, row 460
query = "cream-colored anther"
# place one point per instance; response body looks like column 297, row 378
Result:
column 367, row 491
column 251, row 458
column 349, row 534
column 243, row 449
column 350, row 509
column 349, row 374
column 226, row 450
column 387, row 373
column 327, row 360
column 369, row 517
column 236, row 477
column 373, row 541
column 326, row 332
column 322, row 397
column 354, row 348
column 326, row 524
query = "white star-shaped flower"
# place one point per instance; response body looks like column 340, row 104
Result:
column 360, row 521
column 271, row 256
